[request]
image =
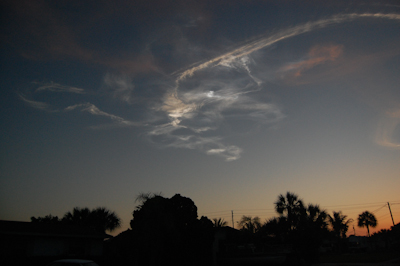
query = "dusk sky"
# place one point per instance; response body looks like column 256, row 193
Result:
column 229, row 103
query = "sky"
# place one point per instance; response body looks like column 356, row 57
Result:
column 229, row 103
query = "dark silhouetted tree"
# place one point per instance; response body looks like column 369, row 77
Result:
column 78, row 216
column 219, row 222
column 48, row 219
column 314, row 220
column 302, row 228
column 291, row 207
column 167, row 231
column 367, row 219
column 142, row 197
column 99, row 219
column 250, row 224
column 311, row 231
column 339, row 224
column 105, row 220
column 276, row 227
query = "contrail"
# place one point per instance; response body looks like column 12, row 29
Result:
column 263, row 42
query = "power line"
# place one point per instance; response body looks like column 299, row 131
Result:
column 379, row 208
column 373, row 203
column 381, row 217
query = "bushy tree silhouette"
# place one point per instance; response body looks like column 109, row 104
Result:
column 276, row 227
column 167, row 231
column 48, row 219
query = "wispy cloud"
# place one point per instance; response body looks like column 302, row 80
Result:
column 92, row 109
column 120, row 86
column 34, row 104
column 221, row 95
column 55, row 87
column 208, row 145
column 316, row 56
column 51, row 87
column 388, row 126
column 230, row 153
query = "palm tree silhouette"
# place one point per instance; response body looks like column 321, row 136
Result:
column 316, row 216
column 291, row 206
column 100, row 219
column 367, row 219
column 219, row 222
column 339, row 224
column 105, row 220
column 250, row 224
column 78, row 216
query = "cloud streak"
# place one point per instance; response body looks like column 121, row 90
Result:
column 266, row 40
column 92, row 109
column 34, row 104
column 52, row 87
column 55, row 87
column 317, row 55
column 388, row 126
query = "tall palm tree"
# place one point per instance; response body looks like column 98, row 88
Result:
column 367, row 219
column 290, row 206
column 219, row 222
column 250, row 224
column 339, row 224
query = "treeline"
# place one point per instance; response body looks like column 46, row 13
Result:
column 168, row 231
column 294, row 215
column 302, row 228
column 99, row 219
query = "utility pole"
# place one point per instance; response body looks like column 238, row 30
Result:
column 390, row 213
column 354, row 230
column 233, row 224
